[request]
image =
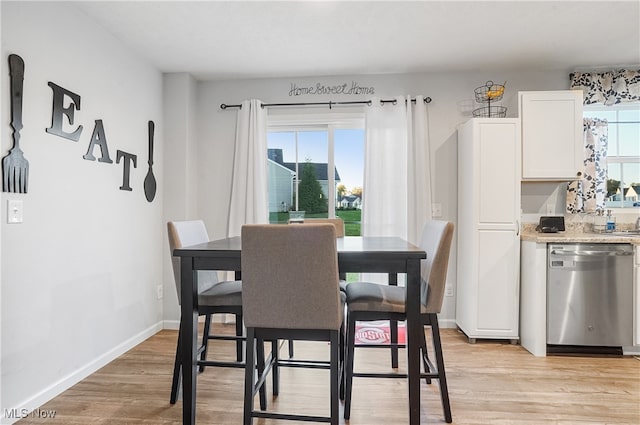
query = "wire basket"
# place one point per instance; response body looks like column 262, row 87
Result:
column 490, row 112
column 489, row 92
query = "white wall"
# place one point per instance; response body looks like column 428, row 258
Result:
column 180, row 167
column 79, row 276
column 452, row 95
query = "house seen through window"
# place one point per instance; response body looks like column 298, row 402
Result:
column 623, row 152
column 316, row 167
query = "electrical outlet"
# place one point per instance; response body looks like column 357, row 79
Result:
column 159, row 292
column 436, row 210
column 448, row 291
column 551, row 209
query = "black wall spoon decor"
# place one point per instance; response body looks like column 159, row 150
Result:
column 150, row 180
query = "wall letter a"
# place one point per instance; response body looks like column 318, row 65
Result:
column 98, row 138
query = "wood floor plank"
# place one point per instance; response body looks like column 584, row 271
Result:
column 489, row 383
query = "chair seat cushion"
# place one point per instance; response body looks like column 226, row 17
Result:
column 365, row 296
column 227, row 293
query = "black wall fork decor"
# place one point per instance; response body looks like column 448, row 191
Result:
column 15, row 167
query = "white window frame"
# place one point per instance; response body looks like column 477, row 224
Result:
column 318, row 121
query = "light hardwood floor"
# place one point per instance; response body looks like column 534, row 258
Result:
column 489, row 383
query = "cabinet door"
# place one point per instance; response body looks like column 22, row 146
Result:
column 497, row 180
column 498, row 288
column 552, row 146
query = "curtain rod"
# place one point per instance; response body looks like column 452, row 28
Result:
column 330, row 104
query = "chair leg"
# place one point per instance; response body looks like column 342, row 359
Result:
column 260, row 368
column 249, row 373
column 275, row 370
column 239, row 332
column 425, row 357
column 177, row 373
column 437, row 344
column 335, row 366
column 393, row 330
column 393, row 327
column 342, row 349
column 290, row 348
column 351, row 331
column 205, row 340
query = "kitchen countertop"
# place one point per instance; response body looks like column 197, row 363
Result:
column 570, row 236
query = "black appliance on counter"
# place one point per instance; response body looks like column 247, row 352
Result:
column 550, row 224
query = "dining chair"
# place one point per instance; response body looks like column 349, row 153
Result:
column 339, row 225
column 290, row 291
column 337, row 222
column 370, row 301
column 214, row 297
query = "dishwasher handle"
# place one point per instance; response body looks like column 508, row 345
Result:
column 612, row 253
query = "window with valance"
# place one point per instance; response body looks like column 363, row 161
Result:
column 612, row 165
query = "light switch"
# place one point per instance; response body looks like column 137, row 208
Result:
column 14, row 211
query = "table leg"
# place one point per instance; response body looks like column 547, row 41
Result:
column 414, row 327
column 189, row 335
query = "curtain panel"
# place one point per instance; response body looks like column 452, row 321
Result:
column 588, row 194
column 249, row 198
column 397, row 171
column 608, row 88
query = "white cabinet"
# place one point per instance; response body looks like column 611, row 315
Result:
column 487, row 299
column 552, row 142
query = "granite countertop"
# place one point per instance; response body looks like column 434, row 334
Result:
column 574, row 234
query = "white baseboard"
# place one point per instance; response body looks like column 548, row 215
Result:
column 217, row 318
column 171, row 324
column 447, row 323
column 32, row 404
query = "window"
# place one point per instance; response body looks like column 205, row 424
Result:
column 623, row 152
column 302, row 151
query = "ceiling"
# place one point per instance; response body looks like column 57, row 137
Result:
column 218, row 40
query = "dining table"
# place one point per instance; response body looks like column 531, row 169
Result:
column 360, row 254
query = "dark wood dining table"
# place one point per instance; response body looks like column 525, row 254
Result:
column 355, row 254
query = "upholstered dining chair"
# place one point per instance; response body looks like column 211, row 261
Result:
column 337, row 222
column 214, row 297
column 290, row 291
column 339, row 225
column 369, row 301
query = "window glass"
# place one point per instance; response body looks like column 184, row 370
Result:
column 310, row 148
column 623, row 152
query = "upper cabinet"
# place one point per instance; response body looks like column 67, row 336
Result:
column 552, row 146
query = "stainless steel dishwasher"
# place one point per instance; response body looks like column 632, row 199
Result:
column 590, row 295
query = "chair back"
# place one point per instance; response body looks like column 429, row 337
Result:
column 186, row 233
column 290, row 277
column 337, row 222
column 436, row 239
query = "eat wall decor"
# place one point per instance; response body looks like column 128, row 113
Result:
column 15, row 166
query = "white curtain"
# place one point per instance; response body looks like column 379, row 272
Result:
column 397, row 182
column 248, row 204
